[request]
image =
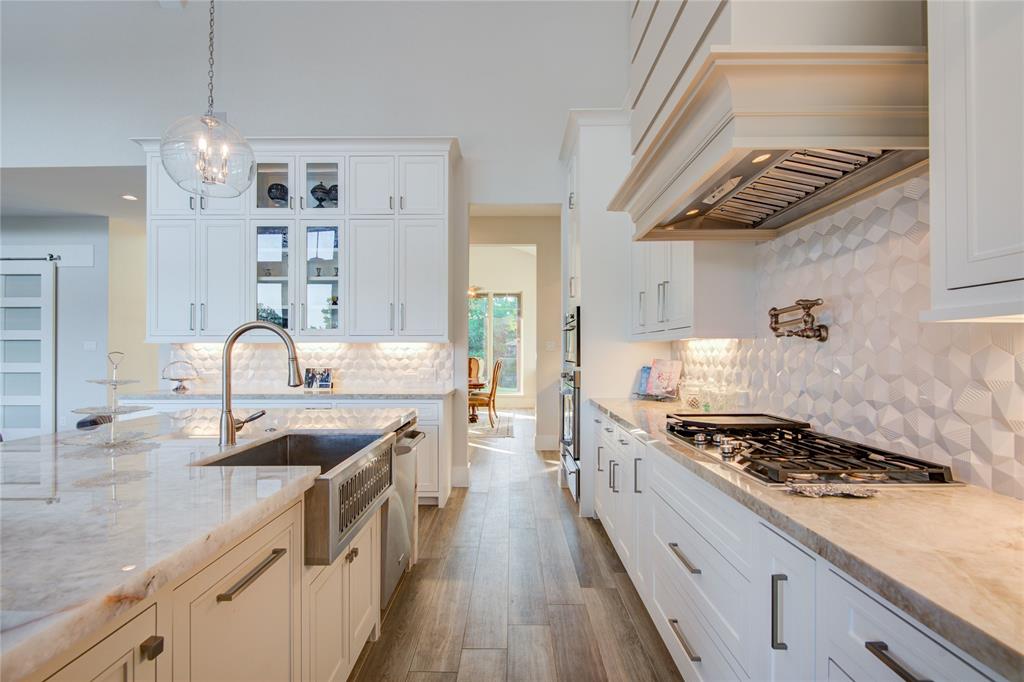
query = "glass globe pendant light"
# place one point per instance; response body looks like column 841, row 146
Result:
column 204, row 155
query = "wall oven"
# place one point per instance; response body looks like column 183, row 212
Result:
column 571, row 338
column 570, row 436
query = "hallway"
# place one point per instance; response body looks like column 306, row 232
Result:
column 512, row 584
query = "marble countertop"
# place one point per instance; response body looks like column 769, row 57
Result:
column 207, row 396
column 87, row 532
column 955, row 561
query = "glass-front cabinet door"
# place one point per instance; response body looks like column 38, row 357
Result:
column 322, row 182
column 323, row 272
column 273, row 191
column 274, row 302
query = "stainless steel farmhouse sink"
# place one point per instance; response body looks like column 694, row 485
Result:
column 301, row 449
column 356, row 475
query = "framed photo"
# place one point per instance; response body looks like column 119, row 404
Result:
column 319, row 380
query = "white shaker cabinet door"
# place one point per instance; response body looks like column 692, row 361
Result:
column 422, row 278
column 166, row 199
column 372, row 185
column 421, row 181
column 977, row 106
column 426, row 461
column 329, row 657
column 223, row 270
column 172, row 277
column 371, row 277
column 363, row 585
column 677, row 292
column 784, row 593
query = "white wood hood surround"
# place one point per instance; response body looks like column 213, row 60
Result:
column 745, row 98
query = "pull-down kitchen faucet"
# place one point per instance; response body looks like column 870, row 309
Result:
column 229, row 426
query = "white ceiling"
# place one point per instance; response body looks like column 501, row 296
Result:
column 73, row 191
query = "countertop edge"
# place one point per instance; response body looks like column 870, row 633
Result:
column 90, row 617
column 980, row 644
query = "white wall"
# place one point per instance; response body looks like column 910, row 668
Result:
column 512, row 269
column 81, row 306
column 79, row 78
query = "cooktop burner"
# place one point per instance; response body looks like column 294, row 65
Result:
column 775, row 451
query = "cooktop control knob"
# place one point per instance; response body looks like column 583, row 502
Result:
column 727, row 449
column 700, row 438
column 717, row 439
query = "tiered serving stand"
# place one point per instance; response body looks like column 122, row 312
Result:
column 107, row 434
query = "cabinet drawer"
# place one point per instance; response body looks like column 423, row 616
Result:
column 238, row 618
column 684, row 631
column 711, row 583
column 121, row 655
column 726, row 525
column 850, row 619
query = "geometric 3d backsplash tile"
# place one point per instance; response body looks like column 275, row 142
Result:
column 262, row 368
column 951, row 393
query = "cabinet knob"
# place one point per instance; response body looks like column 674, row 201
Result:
column 152, row 647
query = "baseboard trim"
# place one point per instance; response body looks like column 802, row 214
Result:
column 541, row 442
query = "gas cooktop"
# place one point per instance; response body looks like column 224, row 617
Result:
column 776, row 451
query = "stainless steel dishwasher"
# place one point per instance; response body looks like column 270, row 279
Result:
column 400, row 522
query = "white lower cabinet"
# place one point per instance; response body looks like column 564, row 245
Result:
column 238, row 619
column 867, row 640
column 734, row 598
column 427, row 463
column 128, row 654
column 784, row 593
column 344, row 607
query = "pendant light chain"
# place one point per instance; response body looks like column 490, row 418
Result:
column 209, row 99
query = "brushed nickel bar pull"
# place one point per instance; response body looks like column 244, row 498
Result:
column 674, row 546
column 611, row 471
column 250, row 577
column 401, row 202
column 202, row 203
column 191, row 317
column 151, row 647
column 690, row 654
column 401, row 316
column 608, row 429
column 881, row 652
column 202, row 316
column 191, row 203
column 615, row 480
column 777, row 579
column 664, row 300
column 599, row 448
column 302, row 202
column 636, row 461
column 640, row 307
column 291, row 202
column 391, row 316
column 391, row 202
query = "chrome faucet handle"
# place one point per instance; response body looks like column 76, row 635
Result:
column 239, row 423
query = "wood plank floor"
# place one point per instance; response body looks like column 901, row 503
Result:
column 513, row 585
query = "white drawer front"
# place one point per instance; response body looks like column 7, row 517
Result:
column 719, row 591
column 850, row 619
column 684, row 631
column 726, row 525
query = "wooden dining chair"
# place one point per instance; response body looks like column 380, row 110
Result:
column 474, row 369
column 481, row 399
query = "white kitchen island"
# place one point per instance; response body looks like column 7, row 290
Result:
column 111, row 559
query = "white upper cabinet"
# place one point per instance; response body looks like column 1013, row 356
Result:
column 322, row 185
column 315, row 245
column 421, row 185
column 165, row 197
column 976, row 78
column 682, row 290
column 422, row 278
column 273, row 190
column 223, row 258
column 372, row 277
column 372, row 185
column 171, row 309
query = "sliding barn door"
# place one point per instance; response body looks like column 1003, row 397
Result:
column 27, row 348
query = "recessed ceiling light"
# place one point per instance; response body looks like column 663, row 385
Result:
column 760, row 158
column 693, row 211
column 129, row 197
column 669, row 228
column 128, row 567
